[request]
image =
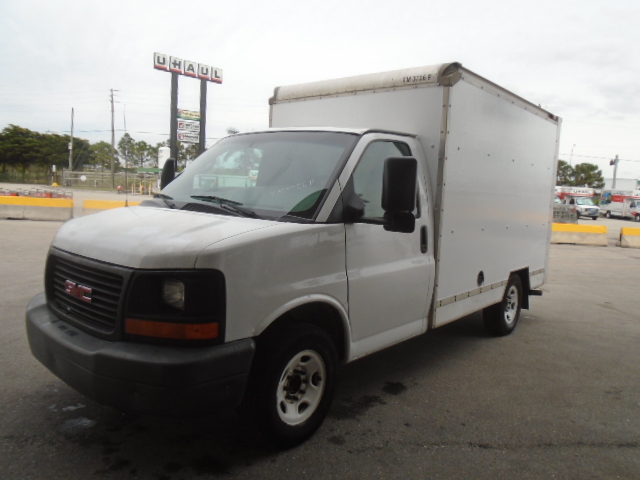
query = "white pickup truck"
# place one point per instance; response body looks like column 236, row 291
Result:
column 376, row 208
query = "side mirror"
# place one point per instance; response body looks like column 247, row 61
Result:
column 168, row 173
column 399, row 188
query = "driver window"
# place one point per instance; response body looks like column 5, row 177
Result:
column 367, row 177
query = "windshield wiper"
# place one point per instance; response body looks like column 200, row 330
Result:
column 216, row 199
column 228, row 205
column 165, row 198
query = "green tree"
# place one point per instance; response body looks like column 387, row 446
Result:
column 141, row 153
column 52, row 149
column 565, row 174
column 137, row 153
column 588, row 174
column 82, row 153
column 101, row 155
column 19, row 148
column 126, row 145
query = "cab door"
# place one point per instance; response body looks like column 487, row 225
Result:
column 390, row 274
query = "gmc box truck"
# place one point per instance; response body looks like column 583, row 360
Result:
column 374, row 209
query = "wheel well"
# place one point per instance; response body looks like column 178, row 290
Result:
column 526, row 286
column 320, row 314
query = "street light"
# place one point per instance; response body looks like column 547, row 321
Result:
column 571, row 157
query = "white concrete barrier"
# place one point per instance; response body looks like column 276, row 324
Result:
column 630, row 237
column 35, row 208
column 579, row 234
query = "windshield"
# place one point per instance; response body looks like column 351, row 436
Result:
column 269, row 175
column 584, row 201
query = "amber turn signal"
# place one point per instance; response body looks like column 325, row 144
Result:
column 178, row 331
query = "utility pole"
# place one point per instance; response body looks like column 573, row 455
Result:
column 113, row 145
column 71, row 144
column 615, row 172
column 126, row 163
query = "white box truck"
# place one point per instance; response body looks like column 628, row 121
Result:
column 621, row 203
column 375, row 209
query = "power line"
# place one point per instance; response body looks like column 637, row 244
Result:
column 602, row 158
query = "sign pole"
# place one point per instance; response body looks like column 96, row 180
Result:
column 203, row 116
column 173, row 129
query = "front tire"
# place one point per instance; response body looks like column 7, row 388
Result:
column 636, row 218
column 501, row 319
column 292, row 384
column 608, row 214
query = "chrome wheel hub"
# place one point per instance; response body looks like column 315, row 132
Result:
column 301, row 387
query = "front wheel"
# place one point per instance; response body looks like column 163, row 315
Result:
column 292, row 383
column 608, row 214
column 636, row 218
column 501, row 319
column 594, row 218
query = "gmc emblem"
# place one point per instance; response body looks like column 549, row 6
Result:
column 78, row 291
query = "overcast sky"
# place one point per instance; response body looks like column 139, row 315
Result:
column 578, row 59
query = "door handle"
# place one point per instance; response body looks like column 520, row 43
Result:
column 424, row 242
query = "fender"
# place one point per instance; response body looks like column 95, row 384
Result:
column 307, row 299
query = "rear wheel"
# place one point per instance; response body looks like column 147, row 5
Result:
column 636, row 218
column 501, row 319
column 292, row 384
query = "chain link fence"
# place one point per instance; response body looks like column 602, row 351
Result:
column 98, row 180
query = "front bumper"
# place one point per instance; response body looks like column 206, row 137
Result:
column 589, row 212
column 132, row 377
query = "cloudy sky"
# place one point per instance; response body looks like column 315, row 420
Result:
column 578, row 59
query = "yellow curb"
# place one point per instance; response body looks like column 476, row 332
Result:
column 105, row 204
column 37, row 201
column 629, row 232
column 573, row 228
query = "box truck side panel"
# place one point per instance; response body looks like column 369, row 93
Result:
column 415, row 110
column 498, row 181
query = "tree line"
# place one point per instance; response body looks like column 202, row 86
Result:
column 31, row 154
column 24, row 152
column 583, row 174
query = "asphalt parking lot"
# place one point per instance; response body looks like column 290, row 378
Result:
column 560, row 398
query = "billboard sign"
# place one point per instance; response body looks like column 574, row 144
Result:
column 188, row 115
column 188, row 137
column 189, row 126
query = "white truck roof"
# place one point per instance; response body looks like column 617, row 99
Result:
column 356, row 131
column 429, row 75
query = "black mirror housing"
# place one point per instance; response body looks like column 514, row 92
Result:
column 168, row 173
column 399, row 184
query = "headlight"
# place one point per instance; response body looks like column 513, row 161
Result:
column 173, row 293
column 176, row 305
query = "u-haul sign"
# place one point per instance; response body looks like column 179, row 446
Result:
column 186, row 67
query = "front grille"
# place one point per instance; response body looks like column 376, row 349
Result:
column 105, row 291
